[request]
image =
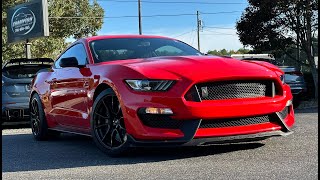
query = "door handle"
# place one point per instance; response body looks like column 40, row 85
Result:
column 51, row 82
column 86, row 84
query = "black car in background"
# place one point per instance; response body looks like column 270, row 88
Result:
column 17, row 75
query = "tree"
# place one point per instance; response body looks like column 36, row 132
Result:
column 224, row 52
column 60, row 28
column 277, row 26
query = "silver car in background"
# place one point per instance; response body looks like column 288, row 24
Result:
column 17, row 75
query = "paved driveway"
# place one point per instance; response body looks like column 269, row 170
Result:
column 76, row 157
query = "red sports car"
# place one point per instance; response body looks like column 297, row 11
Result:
column 136, row 90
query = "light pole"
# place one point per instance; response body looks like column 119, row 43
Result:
column 139, row 12
column 198, row 29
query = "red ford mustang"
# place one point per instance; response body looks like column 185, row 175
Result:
column 134, row 90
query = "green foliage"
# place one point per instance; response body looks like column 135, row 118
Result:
column 60, row 28
column 224, row 52
column 277, row 27
column 272, row 26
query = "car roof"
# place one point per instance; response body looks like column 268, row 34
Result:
column 123, row 36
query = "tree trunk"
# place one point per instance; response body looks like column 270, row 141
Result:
column 309, row 49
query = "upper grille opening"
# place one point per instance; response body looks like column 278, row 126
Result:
column 236, row 89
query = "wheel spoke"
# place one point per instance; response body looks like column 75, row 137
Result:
column 33, row 106
column 33, row 120
column 104, row 104
column 101, row 126
column 119, row 109
column 32, row 113
column 101, row 115
column 38, row 127
column 112, row 135
column 105, row 135
column 117, row 136
column 114, row 106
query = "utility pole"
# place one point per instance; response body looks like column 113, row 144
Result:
column 27, row 45
column 198, row 29
column 139, row 12
column 28, row 49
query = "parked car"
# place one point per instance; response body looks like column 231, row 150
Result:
column 16, row 80
column 136, row 90
column 293, row 77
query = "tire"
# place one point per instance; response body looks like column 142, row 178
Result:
column 38, row 120
column 107, row 124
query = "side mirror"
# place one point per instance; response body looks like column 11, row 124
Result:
column 70, row 62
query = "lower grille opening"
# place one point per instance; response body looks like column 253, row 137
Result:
column 160, row 121
column 219, row 123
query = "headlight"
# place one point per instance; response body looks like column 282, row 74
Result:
column 282, row 78
column 150, row 85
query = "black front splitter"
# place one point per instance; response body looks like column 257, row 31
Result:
column 206, row 141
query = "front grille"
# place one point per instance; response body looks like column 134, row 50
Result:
column 236, row 89
column 160, row 121
column 219, row 123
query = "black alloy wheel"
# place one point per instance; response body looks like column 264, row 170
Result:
column 107, row 124
column 35, row 117
column 38, row 121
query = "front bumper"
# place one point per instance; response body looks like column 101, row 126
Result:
column 192, row 113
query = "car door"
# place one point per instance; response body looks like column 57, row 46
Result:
column 69, row 90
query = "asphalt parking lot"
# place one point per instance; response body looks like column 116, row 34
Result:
column 76, row 157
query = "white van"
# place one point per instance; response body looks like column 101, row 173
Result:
column 249, row 56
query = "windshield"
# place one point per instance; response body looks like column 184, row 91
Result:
column 22, row 71
column 135, row 48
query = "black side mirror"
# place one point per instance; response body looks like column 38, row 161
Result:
column 70, row 62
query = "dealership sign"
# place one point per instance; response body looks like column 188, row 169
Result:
column 28, row 20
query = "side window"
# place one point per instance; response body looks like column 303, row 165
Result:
column 77, row 51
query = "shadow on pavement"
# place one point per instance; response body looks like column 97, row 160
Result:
column 22, row 153
column 307, row 110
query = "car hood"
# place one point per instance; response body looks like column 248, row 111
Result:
column 198, row 68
